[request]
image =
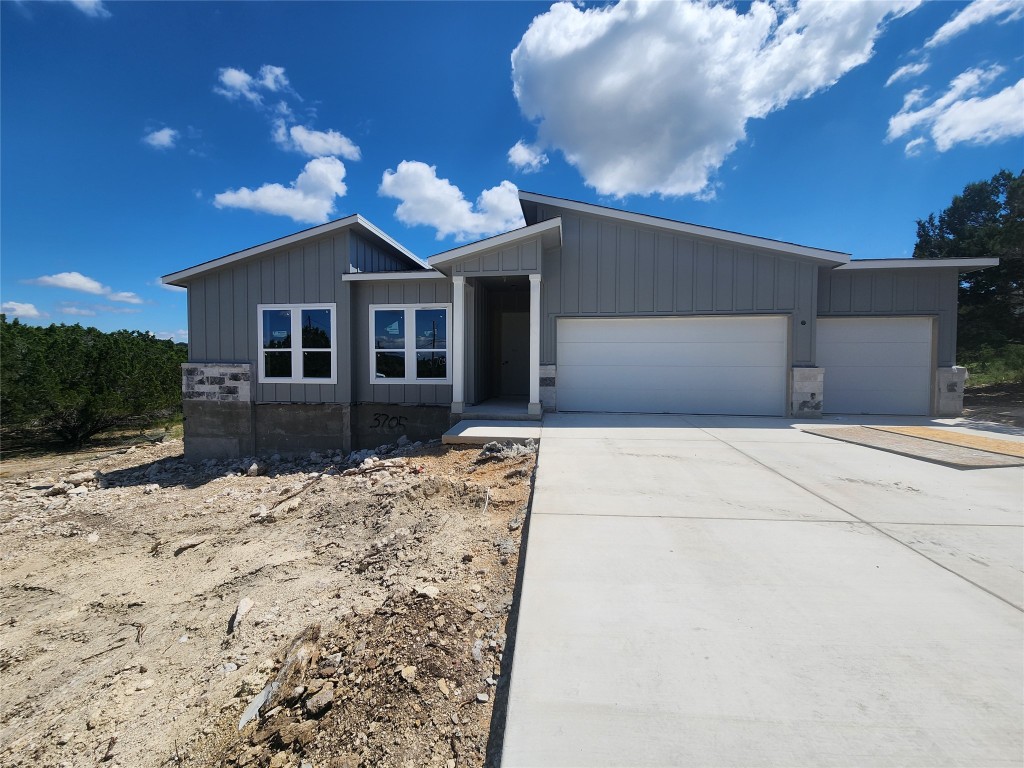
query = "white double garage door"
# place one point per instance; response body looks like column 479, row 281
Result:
column 739, row 365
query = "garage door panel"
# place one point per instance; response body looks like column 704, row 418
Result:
column 731, row 365
column 871, row 330
column 672, row 353
column 878, row 365
column 893, row 378
column 670, row 400
column 889, row 353
column 669, row 329
column 645, row 378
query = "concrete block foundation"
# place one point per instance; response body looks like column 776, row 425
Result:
column 217, row 429
column 375, row 424
column 297, row 428
column 548, row 382
column 949, row 397
column 807, row 386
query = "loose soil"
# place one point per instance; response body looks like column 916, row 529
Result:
column 1000, row 404
column 146, row 602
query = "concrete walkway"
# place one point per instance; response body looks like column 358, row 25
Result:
column 716, row 591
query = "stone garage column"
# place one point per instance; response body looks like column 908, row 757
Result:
column 458, row 360
column 534, row 406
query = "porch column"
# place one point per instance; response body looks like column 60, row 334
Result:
column 458, row 343
column 534, row 406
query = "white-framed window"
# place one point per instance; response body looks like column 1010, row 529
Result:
column 409, row 343
column 297, row 344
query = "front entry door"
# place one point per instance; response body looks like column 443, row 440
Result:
column 515, row 354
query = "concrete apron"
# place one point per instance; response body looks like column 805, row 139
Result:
column 710, row 591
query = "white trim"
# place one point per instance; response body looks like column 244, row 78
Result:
column 389, row 239
column 458, row 341
column 296, row 348
column 361, row 276
column 534, row 404
column 964, row 265
column 410, row 350
column 752, row 241
column 516, row 235
column 175, row 278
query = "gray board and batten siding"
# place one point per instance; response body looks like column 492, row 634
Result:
column 519, row 259
column 222, row 305
column 612, row 268
column 894, row 292
column 406, row 291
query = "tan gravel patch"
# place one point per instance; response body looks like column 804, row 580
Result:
column 980, row 442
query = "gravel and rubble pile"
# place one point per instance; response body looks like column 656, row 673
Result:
column 148, row 602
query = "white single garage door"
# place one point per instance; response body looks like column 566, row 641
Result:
column 880, row 365
column 730, row 365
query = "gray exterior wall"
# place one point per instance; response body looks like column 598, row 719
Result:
column 222, row 321
column 889, row 292
column 520, row 259
column 430, row 291
column 367, row 257
column 609, row 267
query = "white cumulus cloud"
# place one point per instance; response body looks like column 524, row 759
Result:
column 907, row 71
column 964, row 114
column 434, row 202
column 94, row 8
column 164, row 138
column 310, row 198
column 913, row 148
column 179, row 335
column 978, row 12
column 650, row 98
column 76, row 281
column 982, row 120
column 527, row 157
column 273, row 78
column 234, row 83
column 314, row 143
column 77, row 311
column 20, row 309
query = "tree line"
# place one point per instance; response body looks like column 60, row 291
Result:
column 71, row 383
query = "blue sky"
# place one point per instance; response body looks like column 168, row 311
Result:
column 138, row 139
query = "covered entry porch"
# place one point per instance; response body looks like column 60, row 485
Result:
column 496, row 321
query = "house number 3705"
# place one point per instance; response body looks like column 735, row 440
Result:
column 383, row 421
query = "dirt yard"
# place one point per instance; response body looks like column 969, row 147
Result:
column 995, row 404
column 147, row 604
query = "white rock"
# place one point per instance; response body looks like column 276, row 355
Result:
column 82, row 477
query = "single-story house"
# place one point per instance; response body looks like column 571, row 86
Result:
column 338, row 337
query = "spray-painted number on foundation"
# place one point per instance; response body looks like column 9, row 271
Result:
column 383, row 421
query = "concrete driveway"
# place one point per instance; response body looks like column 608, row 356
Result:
column 723, row 591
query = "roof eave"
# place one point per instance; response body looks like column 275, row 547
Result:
column 439, row 260
column 961, row 265
column 182, row 277
column 832, row 258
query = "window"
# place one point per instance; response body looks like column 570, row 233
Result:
column 297, row 344
column 409, row 344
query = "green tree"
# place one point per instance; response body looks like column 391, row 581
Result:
column 73, row 382
column 986, row 220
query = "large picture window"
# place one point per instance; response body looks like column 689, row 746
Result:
column 297, row 344
column 409, row 344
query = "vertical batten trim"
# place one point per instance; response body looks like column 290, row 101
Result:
column 458, row 342
column 534, row 406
